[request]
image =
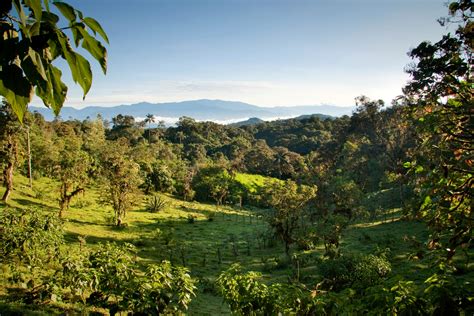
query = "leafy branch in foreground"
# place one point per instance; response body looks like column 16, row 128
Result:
column 31, row 39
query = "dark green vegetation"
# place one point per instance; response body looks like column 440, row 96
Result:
column 368, row 214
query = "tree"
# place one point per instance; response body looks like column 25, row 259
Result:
column 288, row 201
column 149, row 119
column 215, row 182
column 440, row 99
column 121, row 175
column 31, row 40
column 71, row 169
column 10, row 147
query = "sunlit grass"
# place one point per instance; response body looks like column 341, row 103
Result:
column 218, row 237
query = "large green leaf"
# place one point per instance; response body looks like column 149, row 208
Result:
column 66, row 10
column 35, row 6
column 95, row 48
column 54, row 93
column 21, row 12
column 96, row 28
column 76, row 34
column 16, row 89
column 81, row 70
column 80, row 67
column 34, row 69
column 50, row 18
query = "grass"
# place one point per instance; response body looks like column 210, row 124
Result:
column 215, row 238
column 253, row 181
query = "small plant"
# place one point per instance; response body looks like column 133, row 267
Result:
column 38, row 193
column 211, row 216
column 191, row 218
column 269, row 264
column 156, row 204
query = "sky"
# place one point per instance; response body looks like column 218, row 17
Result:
column 266, row 53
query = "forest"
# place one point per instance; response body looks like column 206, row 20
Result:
column 363, row 214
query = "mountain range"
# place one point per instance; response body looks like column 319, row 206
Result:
column 202, row 110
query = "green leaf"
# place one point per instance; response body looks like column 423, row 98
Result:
column 419, row 169
column 81, row 71
column 46, row 4
column 76, row 34
column 20, row 11
column 95, row 48
column 54, row 93
column 16, row 89
column 80, row 67
column 50, row 18
column 33, row 67
column 35, row 6
column 96, row 28
column 66, row 10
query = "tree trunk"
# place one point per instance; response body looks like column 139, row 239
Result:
column 8, row 180
column 30, row 178
column 66, row 199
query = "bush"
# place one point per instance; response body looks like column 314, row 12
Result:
column 30, row 237
column 109, row 274
column 156, row 204
column 191, row 218
column 354, row 271
column 106, row 276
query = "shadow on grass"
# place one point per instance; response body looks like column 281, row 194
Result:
column 33, row 204
column 85, row 222
column 94, row 240
column 11, row 304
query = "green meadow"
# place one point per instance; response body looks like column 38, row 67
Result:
column 208, row 239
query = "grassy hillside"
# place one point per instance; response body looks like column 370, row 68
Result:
column 208, row 240
column 253, row 181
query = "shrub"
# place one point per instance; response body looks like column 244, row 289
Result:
column 109, row 274
column 106, row 276
column 191, row 218
column 156, row 204
column 354, row 271
column 29, row 237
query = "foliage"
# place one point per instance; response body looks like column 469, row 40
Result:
column 72, row 167
column 31, row 40
column 159, row 178
column 243, row 292
column 121, row 177
column 11, row 148
column 288, row 201
column 156, row 204
column 354, row 271
column 29, row 237
column 440, row 100
column 216, row 183
column 247, row 295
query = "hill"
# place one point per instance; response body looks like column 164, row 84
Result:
column 204, row 110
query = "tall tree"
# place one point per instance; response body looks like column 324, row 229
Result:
column 149, row 119
column 288, row 201
column 10, row 147
column 121, row 177
column 72, row 166
column 441, row 101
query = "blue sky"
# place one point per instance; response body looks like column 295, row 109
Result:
column 267, row 53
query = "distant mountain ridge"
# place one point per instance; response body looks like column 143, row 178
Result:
column 203, row 110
